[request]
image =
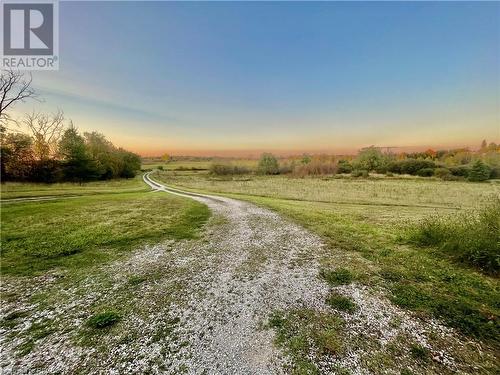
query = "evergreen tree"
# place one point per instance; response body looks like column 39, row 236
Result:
column 78, row 166
column 479, row 171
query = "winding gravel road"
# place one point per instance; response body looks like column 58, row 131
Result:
column 256, row 264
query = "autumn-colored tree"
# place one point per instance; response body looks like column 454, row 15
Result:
column 431, row 153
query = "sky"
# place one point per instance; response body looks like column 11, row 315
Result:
column 229, row 78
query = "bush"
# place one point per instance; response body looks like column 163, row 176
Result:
column 460, row 171
column 479, row 172
column 471, row 237
column 359, row 173
column 343, row 166
column 443, row 173
column 495, row 172
column 268, row 164
column 410, row 166
column 371, row 159
column 425, row 172
column 48, row 171
column 223, row 169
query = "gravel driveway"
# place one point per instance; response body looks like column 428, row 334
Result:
column 254, row 263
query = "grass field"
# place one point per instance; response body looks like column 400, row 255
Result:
column 13, row 190
column 194, row 164
column 57, row 256
column 95, row 225
column 364, row 223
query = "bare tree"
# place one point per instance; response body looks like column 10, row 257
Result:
column 46, row 131
column 14, row 87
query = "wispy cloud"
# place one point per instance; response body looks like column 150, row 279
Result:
column 103, row 105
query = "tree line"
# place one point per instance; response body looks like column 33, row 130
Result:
column 458, row 164
column 52, row 149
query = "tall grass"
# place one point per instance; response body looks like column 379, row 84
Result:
column 315, row 168
column 471, row 237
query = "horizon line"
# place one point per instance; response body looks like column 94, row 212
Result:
column 255, row 153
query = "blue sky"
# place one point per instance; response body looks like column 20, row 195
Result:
column 287, row 76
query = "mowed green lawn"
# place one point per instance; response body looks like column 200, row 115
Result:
column 78, row 232
column 364, row 223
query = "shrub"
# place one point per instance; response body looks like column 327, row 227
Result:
column 223, row 169
column 471, row 237
column 103, row 320
column 268, row 164
column 425, row 172
column 371, row 159
column 479, row 172
column 443, row 173
column 495, row 172
column 240, row 169
column 410, row 166
column 343, row 166
column 460, row 171
column 381, row 169
column 359, row 173
column 160, row 167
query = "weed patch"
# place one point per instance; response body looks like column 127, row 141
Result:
column 103, row 320
column 136, row 280
column 461, row 314
column 342, row 303
column 336, row 277
column 306, row 334
column 472, row 237
column 419, row 352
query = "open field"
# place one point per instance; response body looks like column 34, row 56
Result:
column 118, row 275
column 250, row 188
column 84, row 231
column 372, row 197
column 192, row 164
column 13, row 190
column 363, row 222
